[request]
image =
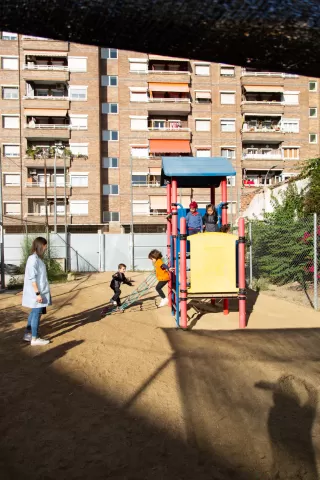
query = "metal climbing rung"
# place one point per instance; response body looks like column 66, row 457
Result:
column 138, row 293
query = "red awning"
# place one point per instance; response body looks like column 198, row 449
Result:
column 169, row 146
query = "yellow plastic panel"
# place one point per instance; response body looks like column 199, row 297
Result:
column 213, row 263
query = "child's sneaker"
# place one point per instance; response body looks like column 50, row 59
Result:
column 39, row 341
column 27, row 337
column 113, row 302
column 163, row 303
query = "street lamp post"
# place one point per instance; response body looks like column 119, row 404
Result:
column 2, row 232
column 265, row 178
column 55, row 188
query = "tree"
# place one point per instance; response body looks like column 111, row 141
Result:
column 311, row 170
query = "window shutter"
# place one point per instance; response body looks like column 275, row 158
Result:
column 228, row 98
column 77, row 64
column 9, row 63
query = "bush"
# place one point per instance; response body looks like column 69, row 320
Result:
column 54, row 270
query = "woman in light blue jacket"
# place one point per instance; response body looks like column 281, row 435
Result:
column 36, row 291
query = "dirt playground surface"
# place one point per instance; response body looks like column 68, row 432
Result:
column 129, row 397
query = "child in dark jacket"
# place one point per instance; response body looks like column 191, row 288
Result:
column 210, row 219
column 193, row 219
column 118, row 278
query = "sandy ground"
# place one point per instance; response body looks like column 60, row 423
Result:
column 129, row 397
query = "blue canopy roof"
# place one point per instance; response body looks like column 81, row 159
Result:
column 197, row 167
column 196, row 171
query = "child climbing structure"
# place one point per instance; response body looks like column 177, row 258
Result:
column 217, row 260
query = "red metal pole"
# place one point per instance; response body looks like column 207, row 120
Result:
column 225, row 306
column 213, row 195
column 183, row 273
column 169, row 231
column 242, row 275
column 224, row 198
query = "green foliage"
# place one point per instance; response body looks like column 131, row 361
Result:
column 54, row 270
column 311, row 170
column 283, row 243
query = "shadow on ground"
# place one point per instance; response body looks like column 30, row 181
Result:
column 55, row 426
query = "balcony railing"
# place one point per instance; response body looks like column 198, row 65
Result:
column 49, row 184
column 261, row 128
column 262, row 102
column 274, row 155
column 30, row 37
column 245, row 73
column 169, row 100
column 46, row 97
column 170, row 72
column 46, row 67
column 50, row 214
column 169, row 129
column 136, row 184
column 56, row 126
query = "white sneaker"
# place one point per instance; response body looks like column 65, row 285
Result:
column 113, row 302
column 27, row 337
column 39, row 341
column 163, row 303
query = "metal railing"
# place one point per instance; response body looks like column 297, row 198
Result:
column 271, row 129
column 169, row 129
column 56, row 126
column 46, row 67
column 263, row 102
column 169, row 100
column 134, row 184
column 246, row 73
column 49, row 184
column 170, row 72
column 275, row 155
column 45, row 97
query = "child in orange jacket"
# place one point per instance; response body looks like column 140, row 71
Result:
column 162, row 274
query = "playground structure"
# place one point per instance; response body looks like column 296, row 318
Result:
column 216, row 260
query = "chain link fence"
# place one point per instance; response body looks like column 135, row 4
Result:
column 283, row 257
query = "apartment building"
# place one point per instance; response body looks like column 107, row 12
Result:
column 50, row 133
column 105, row 118
column 152, row 106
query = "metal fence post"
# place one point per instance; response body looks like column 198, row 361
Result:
column 250, row 255
column 315, row 262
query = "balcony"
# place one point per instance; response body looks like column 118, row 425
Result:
column 34, row 71
column 262, row 154
column 38, row 162
column 170, row 133
column 246, row 72
column 38, row 189
column 252, row 107
column 48, row 101
column 40, row 43
column 261, row 177
column 169, row 105
column 46, row 130
column 159, row 73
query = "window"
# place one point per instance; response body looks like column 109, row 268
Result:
column 10, row 93
column 228, row 125
column 203, row 96
column 202, row 69
column 313, row 112
column 290, row 126
column 79, row 149
column 11, row 150
column 141, row 207
column 138, row 65
column 139, row 123
column 109, row 108
column 140, row 152
column 77, row 64
column 109, row 81
column 111, row 217
column 9, row 63
column 231, row 181
column 79, row 122
column 12, row 208
column 138, row 95
column 203, row 125
column 9, row 36
column 78, row 93
column 109, row 53
column 139, row 179
column 110, row 189
column 291, row 98
column 11, row 179
column 10, row 121
column 110, row 162
column 79, row 207
column 203, row 152
column 291, row 153
column 312, row 86
column 313, row 138
column 226, row 71
column 228, row 153
column 227, row 98
column 60, row 208
column 110, row 135
column 78, row 179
